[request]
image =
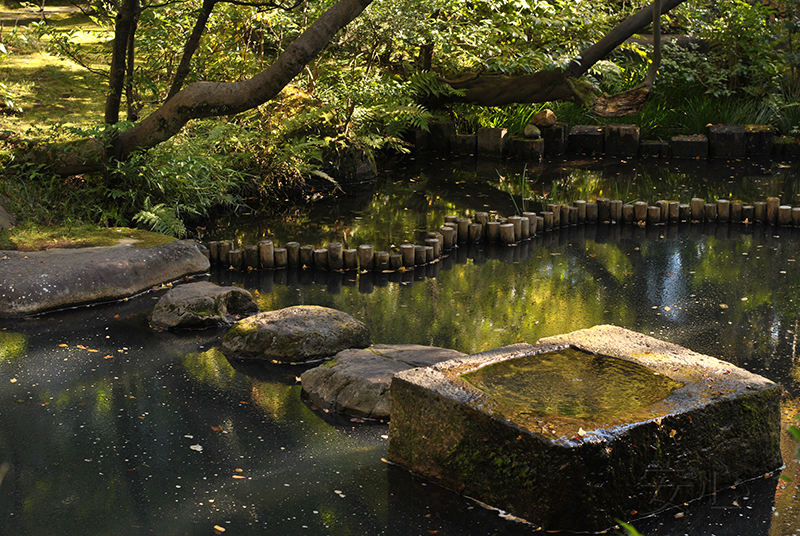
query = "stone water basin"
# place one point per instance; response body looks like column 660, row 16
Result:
column 583, row 429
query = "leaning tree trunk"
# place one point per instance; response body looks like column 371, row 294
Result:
column 202, row 99
column 486, row 89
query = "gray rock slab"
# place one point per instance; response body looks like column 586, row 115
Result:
column 200, row 305
column 39, row 281
column 358, row 381
column 295, row 334
column 720, row 425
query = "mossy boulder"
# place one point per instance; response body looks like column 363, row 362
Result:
column 295, row 334
column 201, row 305
column 358, row 381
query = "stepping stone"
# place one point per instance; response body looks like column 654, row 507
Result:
column 295, row 334
column 201, row 305
column 358, row 382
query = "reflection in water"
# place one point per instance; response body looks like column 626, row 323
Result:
column 111, row 428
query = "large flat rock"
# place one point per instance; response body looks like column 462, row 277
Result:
column 564, row 469
column 39, row 281
column 358, row 381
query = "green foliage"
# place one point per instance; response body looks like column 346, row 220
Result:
column 160, row 219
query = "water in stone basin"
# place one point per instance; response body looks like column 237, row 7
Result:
column 126, row 431
column 583, row 389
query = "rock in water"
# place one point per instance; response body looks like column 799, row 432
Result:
column 201, row 305
column 295, row 334
column 358, row 381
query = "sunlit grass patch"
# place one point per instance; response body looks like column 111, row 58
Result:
column 37, row 239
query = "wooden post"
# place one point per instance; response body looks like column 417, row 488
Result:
column 281, row 258
column 251, row 257
column 419, row 255
column 483, row 219
column 436, row 245
column 653, row 215
column 306, row 257
column 627, row 213
column 532, row 219
column 213, row 252
column 603, row 209
column 366, row 257
column 723, row 210
column 697, row 205
column 382, row 261
column 556, row 210
column 616, row 210
column 321, row 258
column 396, row 261
column 293, row 254
column 407, row 251
column 236, row 259
column 475, row 231
column 463, row 225
column 796, row 216
column 581, row 205
column 772, row 209
column 548, row 220
column 785, row 215
column 639, row 211
column 516, row 222
column 266, row 255
column 507, row 233
column 225, row 248
column 493, row 232
column 710, row 211
column 335, row 260
column 350, row 257
column 736, row 211
column 449, row 234
column 664, row 207
column 760, row 211
column 591, row 213
column 685, row 211
column 674, row 212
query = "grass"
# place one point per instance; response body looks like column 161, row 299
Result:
column 36, row 239
column 50, row 90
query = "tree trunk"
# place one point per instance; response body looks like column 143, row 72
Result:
column 123, row 27
column 487, row 89
column 184, row 68
column 207, row 99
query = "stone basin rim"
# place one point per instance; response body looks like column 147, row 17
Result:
column 712, row 381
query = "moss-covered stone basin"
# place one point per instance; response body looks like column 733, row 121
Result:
column 551, row 457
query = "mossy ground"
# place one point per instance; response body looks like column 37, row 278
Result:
column 36, row 239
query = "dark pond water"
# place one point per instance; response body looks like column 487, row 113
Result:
column 110, row 428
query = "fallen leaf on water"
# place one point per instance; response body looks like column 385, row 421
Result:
column 672, row 433
column 244, row 402
column 239, row 470
column 63, row 345
column 108, row 357
column 581, row 432
column 13, row 380
column 679, row 515
column 238, row 477
column 218, row 528
column 356, row 419
column 82, row 347
column 92, row 350
column 116, row 316
column 217, row 428
column 198, row 448
column 297, row 378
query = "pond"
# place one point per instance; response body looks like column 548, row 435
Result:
column 110, row 428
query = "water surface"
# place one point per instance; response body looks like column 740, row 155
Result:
column 111, row 428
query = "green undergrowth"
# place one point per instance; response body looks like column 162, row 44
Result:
column 38, row 239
